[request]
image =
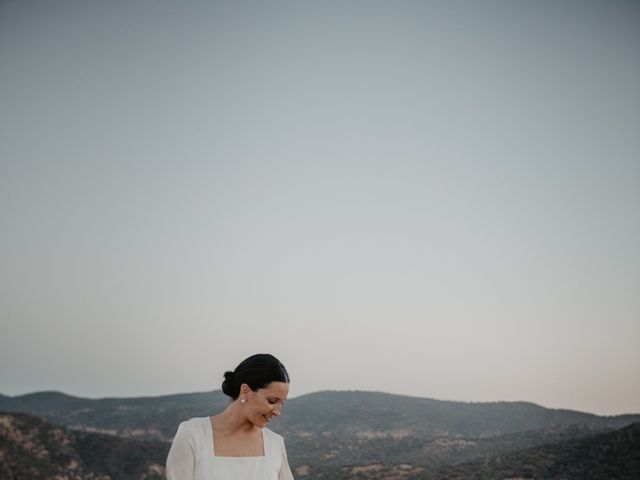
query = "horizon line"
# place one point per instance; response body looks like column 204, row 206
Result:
column 317, row 392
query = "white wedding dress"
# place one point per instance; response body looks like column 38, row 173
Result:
column 192, row 457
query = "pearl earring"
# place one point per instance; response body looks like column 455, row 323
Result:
column 242, row 401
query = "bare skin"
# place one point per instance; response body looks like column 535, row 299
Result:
column 237, row 432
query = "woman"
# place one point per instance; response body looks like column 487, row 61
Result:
column 235, row 445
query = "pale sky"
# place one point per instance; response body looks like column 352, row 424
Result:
column 431, row 198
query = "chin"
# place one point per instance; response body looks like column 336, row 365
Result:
column 261, row 423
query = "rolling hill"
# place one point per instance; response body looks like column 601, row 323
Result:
column 352, row 415
column 31, row 448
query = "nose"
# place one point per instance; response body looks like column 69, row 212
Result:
column 277, row 410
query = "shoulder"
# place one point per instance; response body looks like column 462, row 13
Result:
column 273, row 437
column 195, row 428
column 195, row 423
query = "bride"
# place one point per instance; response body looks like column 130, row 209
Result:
column 235, row 444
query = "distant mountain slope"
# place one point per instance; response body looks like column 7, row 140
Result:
column 341, row 414
column 614, row 455
column 33, row 449
column 150, row 418
column 609, row 456
column 379, row 413
column 430, row 452
column 347, row 415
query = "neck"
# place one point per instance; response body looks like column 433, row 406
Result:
column 232, row 420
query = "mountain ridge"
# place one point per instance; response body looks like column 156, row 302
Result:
column 330, row 391
column 344, row 414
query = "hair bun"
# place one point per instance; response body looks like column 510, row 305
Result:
column 256, row 372
column 228, row 386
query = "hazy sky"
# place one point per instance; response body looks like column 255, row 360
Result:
column 433, row 198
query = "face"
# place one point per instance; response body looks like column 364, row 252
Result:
column 265, row 403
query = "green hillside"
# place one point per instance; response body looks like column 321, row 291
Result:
column 33, row 449
column 344, row 415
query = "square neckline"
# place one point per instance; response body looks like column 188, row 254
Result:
column 213, row 445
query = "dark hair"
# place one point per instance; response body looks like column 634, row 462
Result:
column 257, row 371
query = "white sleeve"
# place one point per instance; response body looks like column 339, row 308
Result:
column 181, row 460
column 285, row 470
